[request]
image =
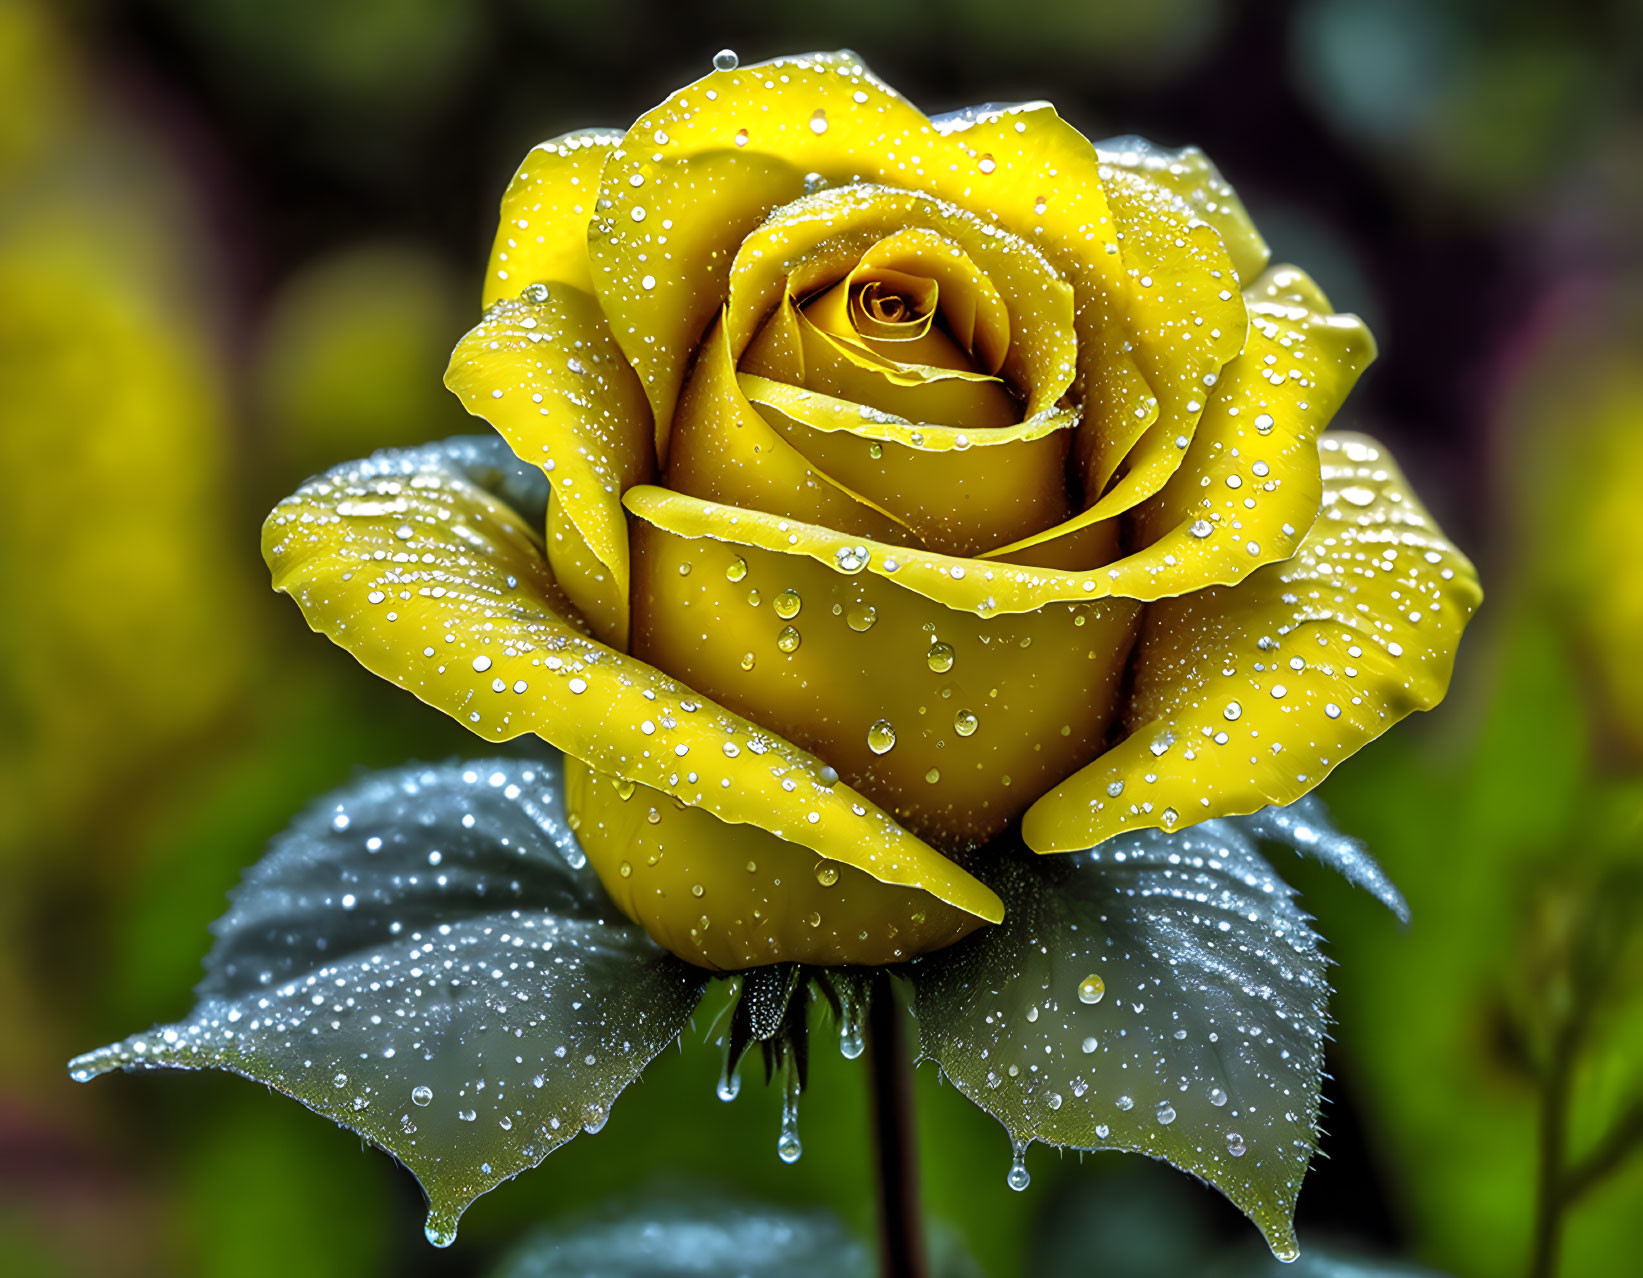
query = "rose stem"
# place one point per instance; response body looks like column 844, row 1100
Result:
column 901, row 1221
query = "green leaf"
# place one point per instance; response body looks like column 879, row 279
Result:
column 425, row 958
column 1161, row 993
column 675, row 1241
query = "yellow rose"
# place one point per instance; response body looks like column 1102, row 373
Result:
column 911, row 478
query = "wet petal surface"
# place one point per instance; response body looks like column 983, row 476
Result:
column 543, row 234
column 434, row 583
column 1250, row 695
column 545, row 372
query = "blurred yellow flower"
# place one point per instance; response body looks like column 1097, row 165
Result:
column 910, row 478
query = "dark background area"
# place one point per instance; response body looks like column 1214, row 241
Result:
column 237, row 240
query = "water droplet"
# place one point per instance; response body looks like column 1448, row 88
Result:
column 933, row 775
column 1092, row 989
column 789, row 639
column 818, row 122
column 748, row 661
column 987, row 164
column 851, row 558
column 1089, row 1045
column 1232, row 711
column 788, row 1146
column 1165, row 1113
column 594, row 1119
column 788, row 604
column 725, row 60
column 939, row 658
column 881, row 736
column 1125, row 1102
column 422, row 1095
column 965, row 722
column 861, row 617
column 1018, row 1178
column 730, row 1083
column 1217, row 1097
column 625, row 869
column 1235, row 1145
column 482, row 664
column 737, row 569
column 1114, row 789
column 827, row 874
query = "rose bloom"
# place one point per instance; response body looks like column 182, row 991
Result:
column 917, row 485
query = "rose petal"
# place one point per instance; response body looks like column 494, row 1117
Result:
column 1250, row 695
column 819, row 239
column 731, row 897
column 546, row 373
column 951, row 722
column 719, row 155
column 792, row 343
column 962, row 492
column 1249, row 487
column 435, row 584
column 1189, row 175
column 986, row 587
column 543, row 234
column 724, row 450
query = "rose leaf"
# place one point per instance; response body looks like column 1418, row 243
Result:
column 425, row 958
column 1161, row 993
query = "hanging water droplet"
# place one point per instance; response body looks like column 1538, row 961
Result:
column 421, row 1095
column 730, row 1082
column 827, row 874
column 939, row 658
column 788, row 604
column 965, row 722
column 1091, row 989
column 789, row 639
column 881, row 736
column 440, row 1235
column 725, row 60
column 852, row 1042
column 1018, row 1178
column 788, row 1146
column 594, row 1119
column 736, row 569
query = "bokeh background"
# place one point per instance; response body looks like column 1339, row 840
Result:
column 237, row 240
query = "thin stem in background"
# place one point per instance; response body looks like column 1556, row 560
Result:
column 901, row 1217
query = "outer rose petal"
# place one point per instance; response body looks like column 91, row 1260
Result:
column 1249, row 695
column 730, row 897
column 1249, row 487
column 542, row 237
column 546, row 373
column 432, row 582
column 983, row 715
column 1189, row 175
column 717, row 156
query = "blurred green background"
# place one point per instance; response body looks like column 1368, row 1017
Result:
column 237, row 240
